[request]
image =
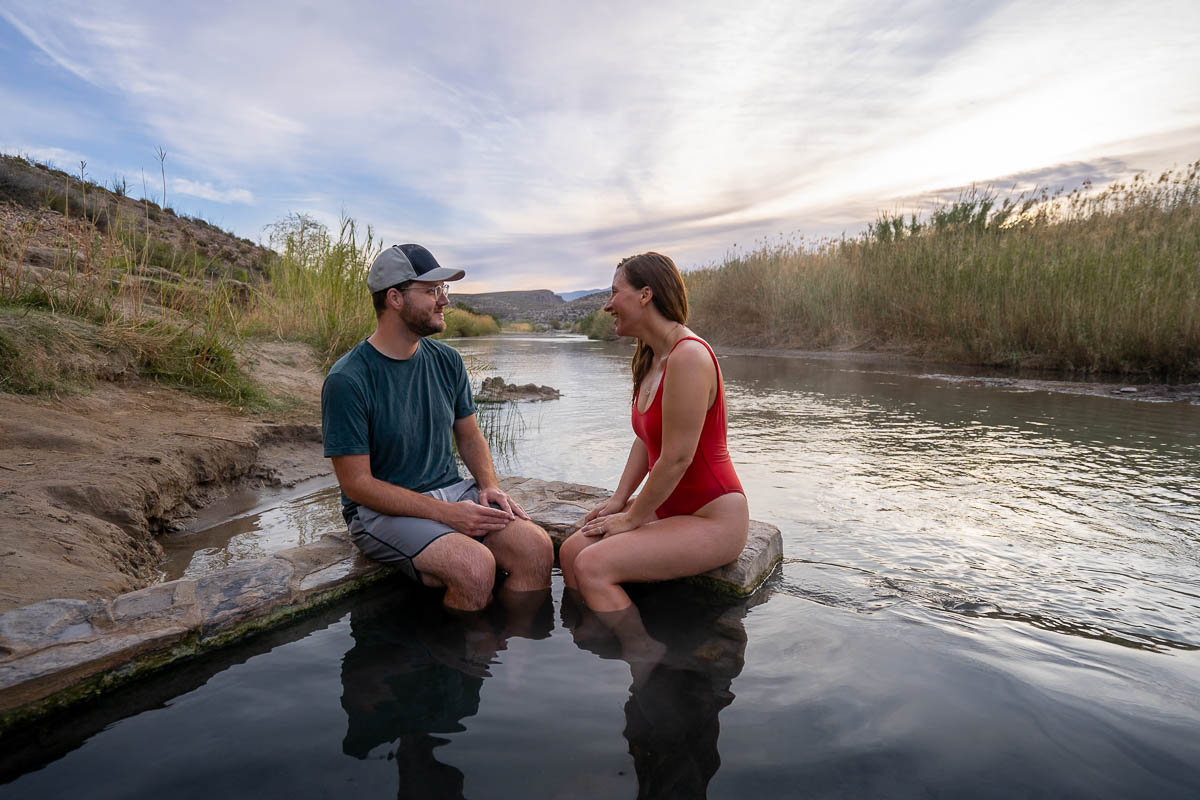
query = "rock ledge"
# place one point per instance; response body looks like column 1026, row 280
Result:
column 56, row 652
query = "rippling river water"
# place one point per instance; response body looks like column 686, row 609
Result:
column 985, row 592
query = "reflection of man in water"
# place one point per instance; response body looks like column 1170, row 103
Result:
column 683, row 657
column 416, row 671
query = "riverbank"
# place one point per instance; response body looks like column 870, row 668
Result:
column 1135, row 388
column 92, row 478
column 1088, row 282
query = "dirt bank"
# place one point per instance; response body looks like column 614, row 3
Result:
column 88, row 481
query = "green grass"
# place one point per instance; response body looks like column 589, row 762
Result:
column 1102, row 282
column 178, row 311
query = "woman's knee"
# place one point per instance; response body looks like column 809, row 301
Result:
column 526, row 546
column 592, row 569
column 571, row 548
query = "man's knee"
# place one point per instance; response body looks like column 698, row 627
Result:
column 461, row 564
column 476, row 570
column 529, row 543
column 540, row 545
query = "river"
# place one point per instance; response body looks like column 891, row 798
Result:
column 986, row 592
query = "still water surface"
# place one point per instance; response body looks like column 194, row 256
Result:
column 985, row 593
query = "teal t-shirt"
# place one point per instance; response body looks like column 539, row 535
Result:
column 399, row 412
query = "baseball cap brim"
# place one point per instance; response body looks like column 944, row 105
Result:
column 442, row 274
column 407, row 262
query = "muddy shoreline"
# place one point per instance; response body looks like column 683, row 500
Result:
column 90, row 481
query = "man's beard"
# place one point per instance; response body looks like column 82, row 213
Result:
column 422, row 324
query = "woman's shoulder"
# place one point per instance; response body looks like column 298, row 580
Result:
column 691, row 356
column 692, row 349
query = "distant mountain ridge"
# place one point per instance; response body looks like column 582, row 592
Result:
column 535, row 305
column 569, row 296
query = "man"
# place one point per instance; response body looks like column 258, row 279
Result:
column 389, row 408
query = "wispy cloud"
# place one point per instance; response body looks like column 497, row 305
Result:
column 539, row 135
column 207, row 191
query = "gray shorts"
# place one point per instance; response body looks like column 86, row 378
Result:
column 398, row 540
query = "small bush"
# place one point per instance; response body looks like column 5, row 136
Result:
column 596, row 325
column 460, row 322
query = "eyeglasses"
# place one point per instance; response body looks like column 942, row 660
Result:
column 441, row 290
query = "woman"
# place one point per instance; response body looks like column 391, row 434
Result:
column 691, row 516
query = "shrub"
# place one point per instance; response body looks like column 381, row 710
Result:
column 460, row 322
column 596, row 325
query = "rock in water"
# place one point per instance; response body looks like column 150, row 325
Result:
column 495, row 390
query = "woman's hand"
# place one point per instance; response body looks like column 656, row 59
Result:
column 609, row 506
column 611, row 524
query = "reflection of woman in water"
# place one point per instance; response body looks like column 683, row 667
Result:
column 671, row 716
column 691, row 516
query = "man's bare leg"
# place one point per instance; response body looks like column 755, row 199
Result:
column 464, row 566
column 525, row 552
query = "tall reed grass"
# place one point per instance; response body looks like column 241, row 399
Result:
column 316, row 290
column 1105, row 281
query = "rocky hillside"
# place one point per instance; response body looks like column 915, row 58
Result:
column 49, row 217
column 538, row 305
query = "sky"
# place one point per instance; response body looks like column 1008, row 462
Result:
column 535, row 144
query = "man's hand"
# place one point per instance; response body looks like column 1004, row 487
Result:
column 500, row 497
column 474, row 519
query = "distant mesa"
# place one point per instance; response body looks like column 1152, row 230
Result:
column 569, row 296
column 535, row 305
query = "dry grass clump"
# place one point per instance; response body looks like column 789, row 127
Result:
column 1103, row 281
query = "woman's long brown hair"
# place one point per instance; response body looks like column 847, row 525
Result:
column 668, row 295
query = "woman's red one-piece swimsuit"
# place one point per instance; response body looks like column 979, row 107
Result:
column 711, row 473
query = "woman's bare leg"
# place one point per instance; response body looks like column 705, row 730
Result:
column 674, row 547
column 568, row 551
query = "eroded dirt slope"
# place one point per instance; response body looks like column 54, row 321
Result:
column 87, row 481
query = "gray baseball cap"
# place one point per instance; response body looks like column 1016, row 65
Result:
column 407, row 262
